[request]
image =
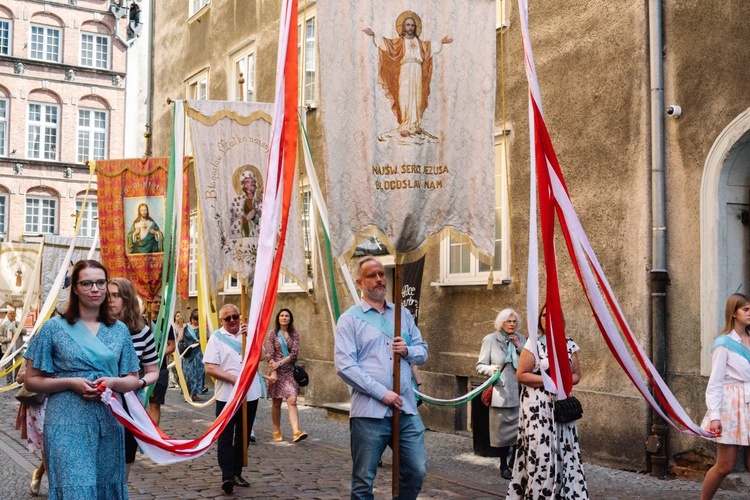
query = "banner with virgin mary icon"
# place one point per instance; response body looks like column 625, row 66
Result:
column 133, row 208
column 230, row 142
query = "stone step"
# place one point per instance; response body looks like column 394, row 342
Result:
column 338, row 411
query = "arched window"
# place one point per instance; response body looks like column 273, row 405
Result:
column 90, row 220
column 4, row 112
column 4, row 208
column 93, row 126
column 43, row 128
column 42, row 206
column 6, row 33
column 95, row 45
column 46, row 38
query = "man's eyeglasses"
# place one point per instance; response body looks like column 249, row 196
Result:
column 231, row 317
column 87, row 284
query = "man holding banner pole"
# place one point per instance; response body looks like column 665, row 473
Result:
column 364, row 353
column 223, row 360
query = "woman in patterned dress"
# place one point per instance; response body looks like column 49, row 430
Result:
column 70, row 357
column 728, row 415
column 548, row 458
column 282, row 347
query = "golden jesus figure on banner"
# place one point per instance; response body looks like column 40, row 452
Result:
column 405, row 71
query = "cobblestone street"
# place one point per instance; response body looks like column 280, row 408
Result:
column 318, row 467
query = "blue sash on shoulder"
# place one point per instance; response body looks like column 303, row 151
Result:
column 94, row 349
column 193, row 338
column 732, row 345
column 284, row 346
column 373, row 318
column 233, row 344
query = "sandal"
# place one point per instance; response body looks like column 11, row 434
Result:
column 36, row 482
column 299, row 436
column 277, row 436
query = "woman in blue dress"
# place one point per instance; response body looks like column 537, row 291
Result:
column 70, row 357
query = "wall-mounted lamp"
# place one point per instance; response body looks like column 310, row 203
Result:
column 18, row 169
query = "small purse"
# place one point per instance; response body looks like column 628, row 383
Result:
column 300, row 375
column 487, row 395
column 30, row 398
column 568, row 410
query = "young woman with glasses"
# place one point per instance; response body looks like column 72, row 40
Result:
column 71, row 358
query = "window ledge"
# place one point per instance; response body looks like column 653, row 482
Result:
column 197, row 15
column 472, row 282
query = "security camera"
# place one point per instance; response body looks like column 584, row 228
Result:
column 674, row 111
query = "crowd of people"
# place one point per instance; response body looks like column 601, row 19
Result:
column 105, row 340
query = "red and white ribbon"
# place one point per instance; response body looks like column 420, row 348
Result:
column 276, row 203
column 554, row 199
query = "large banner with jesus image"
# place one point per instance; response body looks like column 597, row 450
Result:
column 133, row 206
column 408, row 121
column 230, row 147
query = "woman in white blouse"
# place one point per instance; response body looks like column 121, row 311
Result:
column 728, row 392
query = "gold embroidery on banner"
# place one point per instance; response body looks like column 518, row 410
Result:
column 226, row 113
column 135, row 170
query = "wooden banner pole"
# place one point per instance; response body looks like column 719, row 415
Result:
column 396, row 421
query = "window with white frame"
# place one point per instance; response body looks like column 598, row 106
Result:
column 193, row 259
column 41, row 215
column 306, row 52
column 244, row 64
column 232, row 285
column 90, row 220
column 3, row 216
column 42, row 131
column 287, row 284
column 196, row 5
column 503, row 13
column 457, row 264
column 45, row 43
column 3, row 126
column 92, row 134
column 5, row 37
column 197, row 87
column 94, row 50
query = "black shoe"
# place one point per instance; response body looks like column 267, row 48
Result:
column 240, row 481
column 227, row 486
column 506, row 473
column 205, row 390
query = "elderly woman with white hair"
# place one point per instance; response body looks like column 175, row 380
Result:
column 500, row 351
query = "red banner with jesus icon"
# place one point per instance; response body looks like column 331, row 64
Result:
column 133, row 215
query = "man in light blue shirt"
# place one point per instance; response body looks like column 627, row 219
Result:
column 365, row 346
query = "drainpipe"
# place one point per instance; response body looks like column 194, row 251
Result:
column 150, row 108
column 656, row 445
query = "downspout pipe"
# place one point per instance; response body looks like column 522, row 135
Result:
column 656, row 444
column 150, row 108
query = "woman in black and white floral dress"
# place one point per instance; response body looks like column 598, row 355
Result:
column 548, row 458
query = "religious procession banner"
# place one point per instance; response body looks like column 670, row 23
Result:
column 408, row 121
column 53, row 258
column 133, row 213
column 20, row 265
column 231, row 146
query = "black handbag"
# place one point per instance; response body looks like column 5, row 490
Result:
column 300, row 375
column 568, row 410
